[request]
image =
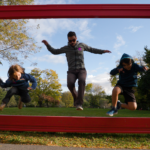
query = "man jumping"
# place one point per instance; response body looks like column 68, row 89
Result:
column 76, row 68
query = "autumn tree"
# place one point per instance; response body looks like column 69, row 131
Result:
column 15, row 37
column 47, row 83
column 50, row 101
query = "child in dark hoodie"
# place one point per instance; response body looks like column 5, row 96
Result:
column 127, row 70
column 18, row 80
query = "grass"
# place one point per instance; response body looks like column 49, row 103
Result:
column 130, row 141
column 93, row 112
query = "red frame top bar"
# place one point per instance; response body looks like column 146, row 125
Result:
column 75, row 11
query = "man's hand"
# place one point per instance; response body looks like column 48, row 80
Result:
column 145, row 68
column 29, row 88
column 107, row 51
column 120, row 70
column 45, row 42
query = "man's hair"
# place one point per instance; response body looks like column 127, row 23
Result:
column 126, row 61
column 71, row 33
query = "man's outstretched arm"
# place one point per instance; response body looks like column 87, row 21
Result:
column 56, row 51
column 94, row 50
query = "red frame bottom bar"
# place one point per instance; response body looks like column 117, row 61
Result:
column 75, row 124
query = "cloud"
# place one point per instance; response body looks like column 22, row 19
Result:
column 102, row 80
column 49, row 27
column 4, row 78
column 84, row 29
column 120, row 42
column 94, row 70
column 134, row 28
column 51, row 59
column 53, row 2
column 30, row 68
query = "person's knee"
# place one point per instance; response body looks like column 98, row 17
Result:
column 12, row 90
column 25, row 98
column 116, row 91
column 81, row 81
column 133, row 106
column 70, row 85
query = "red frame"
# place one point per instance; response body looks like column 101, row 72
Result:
column 75, row 11
column 75, row 124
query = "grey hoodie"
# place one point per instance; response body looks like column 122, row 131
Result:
column 75, row 56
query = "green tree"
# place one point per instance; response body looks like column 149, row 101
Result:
column 12, row 102
column 47, row 83
column 96, row 96
column 144, row 83
column 15, row 39
column 88, row 87
column 2, row 94
column 67, row 99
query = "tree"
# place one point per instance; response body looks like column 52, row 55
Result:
column 67, row 99
column 15, row 39
column 88, row 87
column 144, row 83
column 12, row 102
column 2, row 94
column 95, row 95
column 47, row 83
column 50, row 100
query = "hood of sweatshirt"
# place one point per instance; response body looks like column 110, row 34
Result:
column 126, row 56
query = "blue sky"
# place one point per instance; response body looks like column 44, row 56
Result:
column 117, row 35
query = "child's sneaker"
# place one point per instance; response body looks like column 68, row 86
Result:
column 20, row 104
column 119, row 104
column 112, row 112
column 79, row 107
column 2, row 106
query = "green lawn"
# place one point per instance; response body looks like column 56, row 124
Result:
column 93, row 112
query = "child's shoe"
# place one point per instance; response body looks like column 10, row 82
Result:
column 119, row 104
column 20, row 104
column 2, row 106
column 112, row 112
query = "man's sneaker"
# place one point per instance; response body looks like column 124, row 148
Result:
column 112, row 112
column 119, row 104
column 20, row 103
column 79, row 107
column 2, row 106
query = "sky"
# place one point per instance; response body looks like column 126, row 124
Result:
column 117, row 35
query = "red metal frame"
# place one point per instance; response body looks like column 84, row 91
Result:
column 75, row 11
column 75, row 124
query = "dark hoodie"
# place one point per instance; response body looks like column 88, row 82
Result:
column 129, row 77
column 22, row 83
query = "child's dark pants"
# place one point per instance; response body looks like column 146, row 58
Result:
column 25, row 98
